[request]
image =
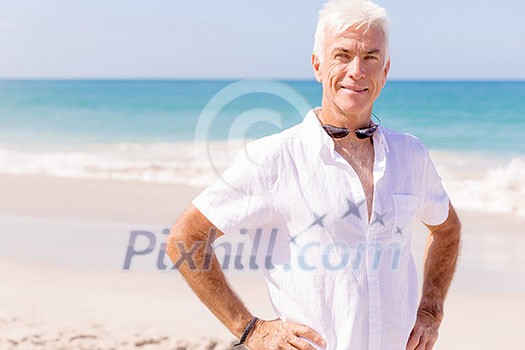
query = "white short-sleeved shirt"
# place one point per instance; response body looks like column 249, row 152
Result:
column 352, row 280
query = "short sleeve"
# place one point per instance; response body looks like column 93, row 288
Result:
column 434, row 205
column 240, row 198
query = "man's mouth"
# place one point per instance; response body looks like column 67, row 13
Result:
column 356, row 89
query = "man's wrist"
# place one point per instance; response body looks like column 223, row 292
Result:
column 247, row 330
column 240, row 325
column 430, row 308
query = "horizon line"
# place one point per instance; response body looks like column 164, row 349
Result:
column 212, row 79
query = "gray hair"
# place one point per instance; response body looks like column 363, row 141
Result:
column 339, row 15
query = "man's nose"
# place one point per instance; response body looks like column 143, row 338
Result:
column 355, row 69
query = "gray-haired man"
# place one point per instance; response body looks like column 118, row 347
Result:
column 342, row 193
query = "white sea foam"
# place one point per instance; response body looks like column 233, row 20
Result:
column 476, row 182
column 486, row 184
column 159, row 162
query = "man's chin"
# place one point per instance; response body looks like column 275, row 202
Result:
column 353, row 109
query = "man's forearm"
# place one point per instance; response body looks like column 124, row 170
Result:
column 207, row 280
column 440, row 264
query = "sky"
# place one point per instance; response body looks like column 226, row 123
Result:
column 232, row 39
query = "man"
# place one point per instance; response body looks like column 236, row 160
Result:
column 335, row 197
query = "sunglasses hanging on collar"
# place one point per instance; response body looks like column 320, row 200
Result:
column 362, row 133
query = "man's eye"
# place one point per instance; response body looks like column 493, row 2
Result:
column 342, row 55
column 369, row 57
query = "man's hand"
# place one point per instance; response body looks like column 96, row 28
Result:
column 278, row 334
column 425, row 331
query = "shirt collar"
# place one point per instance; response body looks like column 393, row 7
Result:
column 379, row 137
column 315, row 135
column 320, row 141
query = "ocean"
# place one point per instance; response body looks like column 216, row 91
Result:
column 187, row 132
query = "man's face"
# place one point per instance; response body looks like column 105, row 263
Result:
column 354, row 70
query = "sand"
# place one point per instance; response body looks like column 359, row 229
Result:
column 63, row 244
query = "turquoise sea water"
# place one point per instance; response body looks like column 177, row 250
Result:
column 188, row 132
column 466, row 116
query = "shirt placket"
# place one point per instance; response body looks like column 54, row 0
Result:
column 373, row 272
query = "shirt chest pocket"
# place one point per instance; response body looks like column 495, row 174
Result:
column 405, row 207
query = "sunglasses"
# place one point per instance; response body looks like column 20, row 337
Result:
column 338, row 133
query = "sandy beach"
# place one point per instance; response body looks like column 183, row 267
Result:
column 63, row 246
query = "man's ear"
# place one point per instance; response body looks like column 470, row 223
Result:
column 316, row 65
column 385, row 72
column 387, row 68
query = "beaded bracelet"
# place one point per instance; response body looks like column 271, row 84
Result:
column 246, row 331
